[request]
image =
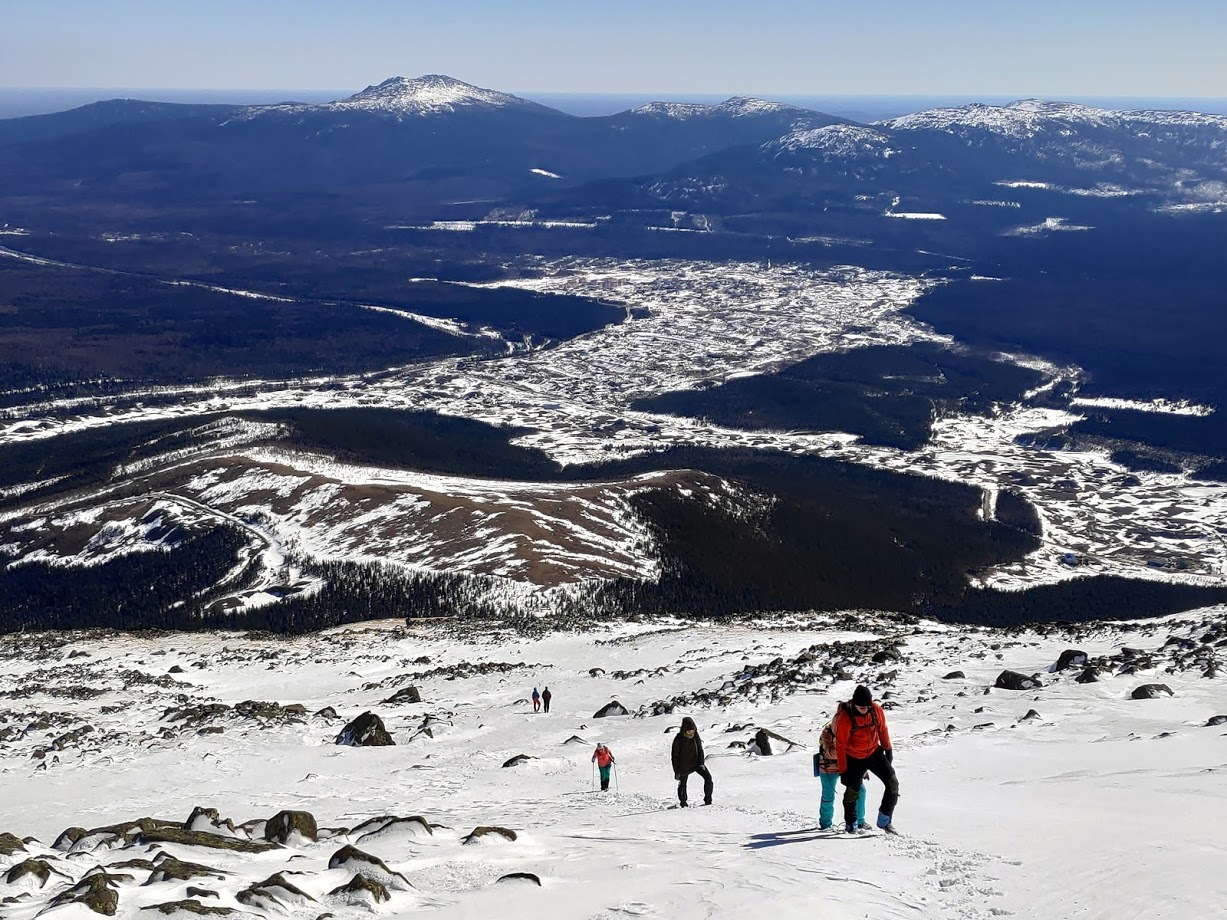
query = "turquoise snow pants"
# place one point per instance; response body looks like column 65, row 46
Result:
column 826, row 811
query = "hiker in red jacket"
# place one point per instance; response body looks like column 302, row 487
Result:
column 862, row 742
column 604, row 761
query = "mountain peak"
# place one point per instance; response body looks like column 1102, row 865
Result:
column 424, row 95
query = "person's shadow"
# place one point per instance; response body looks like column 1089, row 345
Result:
column 805, row 835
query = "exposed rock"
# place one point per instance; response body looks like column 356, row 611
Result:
column 1031, row 714
column 518, row 759
column 193, row 892
column 394, row 828
column 519, row 877
column 286, row 825
column 39, row 868
column 479, row 833
column 361, row 889
column 204, row 839
column 409, row 694
column 274, row 893
column 94, row 891
column 10, row 844
column 1150, row 691
column 576, row 739
column 175, row 870
column 68, row 837
column 1216, row 720
column 1088, row 676
column 365, row 731
column 1070, row 658
column 374, row 868
column 595, row 672
column 191, row 906
column 955, row 675
column 328, row 713
column 611, row 709
column 209, row 821
column 763, row 742
column 1012, row 680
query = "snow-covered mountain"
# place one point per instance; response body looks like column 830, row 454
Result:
column 155, row 775
column 432, row 94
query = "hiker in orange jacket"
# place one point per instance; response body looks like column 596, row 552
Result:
column 862, row 743
column 604, row 759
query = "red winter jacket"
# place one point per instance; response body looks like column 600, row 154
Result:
column 603, row 757
column 859, row 735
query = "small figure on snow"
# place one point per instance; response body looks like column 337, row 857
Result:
column 862, row 745
column 826, row 766
column 604, row 763
column 688, row 758
column 536, row 700
column 545, row 698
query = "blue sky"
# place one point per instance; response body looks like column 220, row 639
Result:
column 1040, row 47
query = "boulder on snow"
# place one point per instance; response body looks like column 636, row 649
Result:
column 284, row 825
column 95, row 892
column 489, row 832
column 518, row 759
column 1070, row 658
column 955, row 675
column 385, row 830
column 365, row 731
column 611, row 709
column 1012, row 680
column 1089, row 675
column 1031, row 714
column 1216, row 720
column 328, row 713
column 372, row 867
column 191, row 906
column 10, row 844
column 576, row 739
column 763, row 742
column 1150, row 692
column 519, row 877
column 405, row 695
column 361, row 890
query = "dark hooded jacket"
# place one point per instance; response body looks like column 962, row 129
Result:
column 687, row 752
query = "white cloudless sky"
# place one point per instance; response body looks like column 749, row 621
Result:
column 1040, row 47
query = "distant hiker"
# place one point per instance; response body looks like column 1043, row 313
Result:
column 826, row 765
column 604, row 762
column 688, row 758
column 862, row 743
column 545, row 698
column 536, row 700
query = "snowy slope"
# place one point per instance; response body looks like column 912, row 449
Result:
column 1002, row 815
column 432, row 94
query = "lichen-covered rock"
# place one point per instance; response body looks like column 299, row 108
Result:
column 10, row 844
column 275, row 893
column 191, row 906
column 94, row 891
column 203, row 839
column 374, row 868
column 287, row 826
column 395, row 829
column 38, row 869
column 207, row 820
column 170, row 869
column 365, row 731
column 361, row 890
column 489, row 832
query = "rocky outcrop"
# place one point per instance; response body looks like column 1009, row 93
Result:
column 1070, row 658
column 407, row 695
column 490, row 832
column 274, row 894
column 372, row 867
column 1012, row 680
column 204, row 839
column 955, row 675
column 95, row 892
column 361, row 890
column 518, row 759
column 384, row 830
column 611, row 709
column 365, row 731
column 170, row 869
column 291, row 826
column 519, row 877
column 191, row 906
column 1151, row 692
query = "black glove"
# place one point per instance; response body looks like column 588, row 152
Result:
column 890, row 755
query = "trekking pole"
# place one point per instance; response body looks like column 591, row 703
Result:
column 594, row 776
column 615, row 772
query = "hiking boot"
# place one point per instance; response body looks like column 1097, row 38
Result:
column 863, row 825
column 682, row 805
column 851, row 829
column 824, row 827
column 883, row 821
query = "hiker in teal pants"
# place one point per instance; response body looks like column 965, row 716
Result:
column 828, row 772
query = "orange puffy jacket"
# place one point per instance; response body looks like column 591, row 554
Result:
column 603, row 757
column 859, row 735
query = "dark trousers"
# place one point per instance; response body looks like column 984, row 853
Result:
column 708, row 785
column 852, row 778
column 547, row 704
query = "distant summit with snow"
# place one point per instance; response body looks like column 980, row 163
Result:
column 735, row 107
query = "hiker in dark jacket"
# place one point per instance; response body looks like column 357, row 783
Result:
column 546, row 696
column 688, row 758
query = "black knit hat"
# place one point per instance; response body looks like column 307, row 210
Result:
column 862, row 697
